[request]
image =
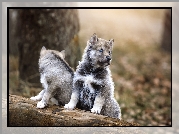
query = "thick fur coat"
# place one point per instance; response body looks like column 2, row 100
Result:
column 56, row 77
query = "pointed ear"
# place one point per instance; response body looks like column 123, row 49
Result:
column 42, row 50
column 93, row 38
column 63, row 53
column 111, row 42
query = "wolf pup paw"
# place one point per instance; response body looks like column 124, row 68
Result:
column 35, row 98
column 96, row 110
column 40, row 104
column 69, row 106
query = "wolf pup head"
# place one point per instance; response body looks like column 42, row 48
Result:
column 49, row 55
column 44, row 52
column 99, row 51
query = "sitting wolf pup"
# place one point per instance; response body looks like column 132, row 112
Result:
column 56, row 77
column 93, row 88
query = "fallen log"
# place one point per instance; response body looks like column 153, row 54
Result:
column 23, row 112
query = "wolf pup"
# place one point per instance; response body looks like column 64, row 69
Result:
column 93, row 87
column 56, row 77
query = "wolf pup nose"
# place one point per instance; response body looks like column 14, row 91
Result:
column 93, row 88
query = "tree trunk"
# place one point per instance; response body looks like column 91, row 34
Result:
column 13, row 49
column 53, row 28
column 166, row 37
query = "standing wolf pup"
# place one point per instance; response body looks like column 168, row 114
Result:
column 56, row 77
column 93, row 88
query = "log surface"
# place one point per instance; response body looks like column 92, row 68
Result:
column 23, row 112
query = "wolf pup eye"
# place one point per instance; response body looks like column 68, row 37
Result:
column 101, row 50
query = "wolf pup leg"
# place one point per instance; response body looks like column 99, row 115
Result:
column 39, row 96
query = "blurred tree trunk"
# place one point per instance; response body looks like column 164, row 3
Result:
column 166, row 37
column 53, row 28
column 13, row 49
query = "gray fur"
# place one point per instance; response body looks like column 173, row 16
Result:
column 93, row 88
column 56, row 78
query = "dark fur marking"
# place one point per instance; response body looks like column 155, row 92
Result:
column 79, row 83
column 64, row 63
column 49, row 82
column 100, row 73
column 41, row 69
column 86, row 99
column 97, row 87
column 86, row 69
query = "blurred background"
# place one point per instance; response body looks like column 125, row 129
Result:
column 141, row 63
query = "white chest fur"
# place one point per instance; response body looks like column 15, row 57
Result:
column 87, row 82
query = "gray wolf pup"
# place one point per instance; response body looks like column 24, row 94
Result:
column 56, row 77
column 93, row 88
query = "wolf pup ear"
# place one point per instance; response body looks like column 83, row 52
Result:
column 63, row 54
column 42, row 50
column 93, row 38
column 111, row 42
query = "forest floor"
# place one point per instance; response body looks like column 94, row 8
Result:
column 140, row 70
